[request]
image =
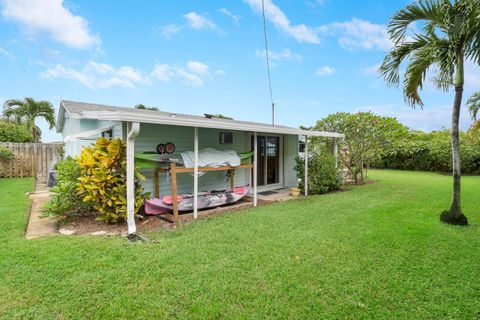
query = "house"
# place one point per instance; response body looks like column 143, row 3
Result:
column 275, row 146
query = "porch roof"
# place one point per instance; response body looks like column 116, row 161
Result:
column 82, row 110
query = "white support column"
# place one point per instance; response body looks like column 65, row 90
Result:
column 306, row 166
column 335, row 151
column 195, row 174
column 255, row 169
column 133, row 130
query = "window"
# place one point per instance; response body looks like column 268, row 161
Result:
column 301, row 146
column 107, row 134
column 226, row 138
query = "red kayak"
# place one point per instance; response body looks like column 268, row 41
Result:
column 206, row 200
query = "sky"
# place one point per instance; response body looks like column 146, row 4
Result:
column 201, row 56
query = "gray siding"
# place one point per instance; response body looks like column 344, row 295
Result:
column 116, row 126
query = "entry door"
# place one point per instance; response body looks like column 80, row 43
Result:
column 268, row 162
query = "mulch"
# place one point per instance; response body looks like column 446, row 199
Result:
column 87, row 224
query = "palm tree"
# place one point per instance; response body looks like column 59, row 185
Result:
column 450, row 35
column 26, row 111
column 473, row 104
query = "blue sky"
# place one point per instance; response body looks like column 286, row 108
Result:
column 207, row 57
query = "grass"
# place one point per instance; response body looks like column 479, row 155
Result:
column 376, row 251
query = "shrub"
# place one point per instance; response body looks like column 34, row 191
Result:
column 6, row 154
column 102, row 182
column 65, row 196
column 323, row 175
column 64, row 199
column 430, row 152
column 67, row 170
column 13, row 132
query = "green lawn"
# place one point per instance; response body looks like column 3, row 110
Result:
column 377, row 251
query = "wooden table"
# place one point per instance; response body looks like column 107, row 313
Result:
column 173, row 169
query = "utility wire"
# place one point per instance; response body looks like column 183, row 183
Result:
column 268, row 61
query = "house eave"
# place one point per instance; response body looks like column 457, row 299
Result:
column 207, row 123
column 111, row 113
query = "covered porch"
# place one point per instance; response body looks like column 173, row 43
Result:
column 253, row 170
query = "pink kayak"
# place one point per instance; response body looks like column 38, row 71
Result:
column 206, row 200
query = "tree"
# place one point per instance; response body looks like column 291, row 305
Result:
column 366, row 135
column 26, row 111
column 449, row 36
column 143, row 107
column 14, row 132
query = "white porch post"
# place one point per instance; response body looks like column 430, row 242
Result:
column 195, row 174
column 133, row 129
column 255, row 169
column 335, row 151
column 306, row 166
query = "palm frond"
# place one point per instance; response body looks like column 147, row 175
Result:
column 422, row 59
column 422, row 10
column 390, row 68
column 14, row 110
column 473, row 104
column 46, row 111
column 27, row 110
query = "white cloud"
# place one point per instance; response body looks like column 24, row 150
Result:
column 234, row 17
column 198, row 21
column 95, row 75
column 7, row 53
column 372, row 70
column 98, row 75
column 193, row 73
column 220, row 72
column 52, row 17
column 359, row 34
column 197, row 67
column 190, row 78
column 61, row 72
column 170, row 30
column 163, row 72
column 325, row 71
column 285, row 54
column 275, row 15
column 426, row 119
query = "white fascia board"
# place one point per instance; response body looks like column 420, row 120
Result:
column 201, row 123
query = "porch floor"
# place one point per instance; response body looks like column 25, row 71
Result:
column 281, row 194
column 247, row 202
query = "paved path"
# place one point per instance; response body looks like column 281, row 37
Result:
column 37, row 226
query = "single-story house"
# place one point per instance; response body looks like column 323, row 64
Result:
column 275, row 146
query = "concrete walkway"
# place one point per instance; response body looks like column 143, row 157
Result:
column 37, row 226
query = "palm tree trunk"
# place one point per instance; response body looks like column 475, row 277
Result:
column 455, row 215
column 456, row 208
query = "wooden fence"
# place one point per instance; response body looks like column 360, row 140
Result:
column 31, row 159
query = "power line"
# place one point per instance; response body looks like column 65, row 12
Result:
column 268, row 62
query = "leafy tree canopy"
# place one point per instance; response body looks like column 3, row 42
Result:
column 14, row 132
column 26, row 111
column 366, row 134
column 143, row 107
